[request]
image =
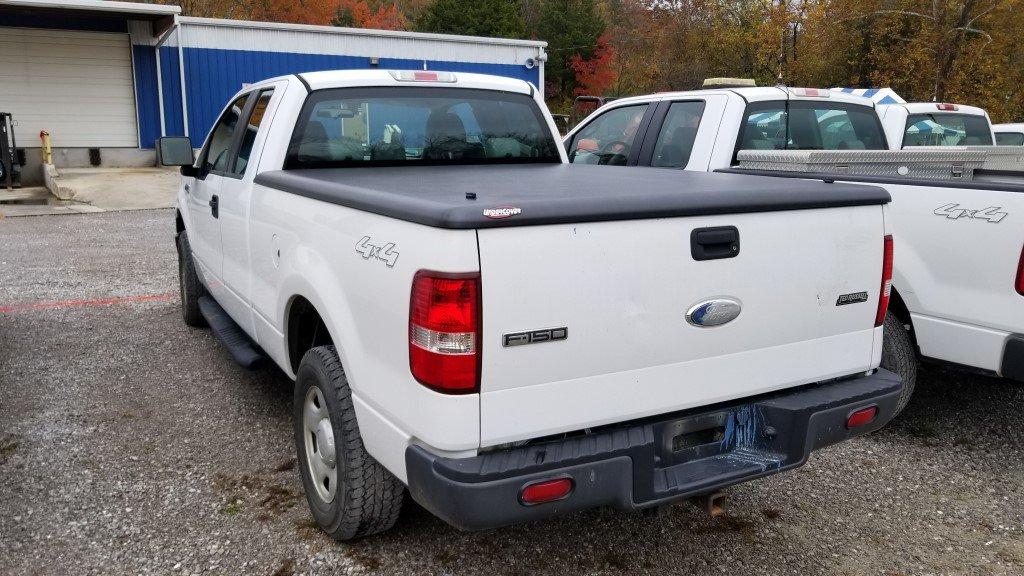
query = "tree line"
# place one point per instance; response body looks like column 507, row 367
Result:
column 966, row 51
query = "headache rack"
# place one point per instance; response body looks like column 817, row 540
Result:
column 950, row 164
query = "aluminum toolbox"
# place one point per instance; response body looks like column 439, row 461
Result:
column 950, row 163
column 1003, row 158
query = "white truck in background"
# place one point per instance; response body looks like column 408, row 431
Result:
column 1009, row 134
column 935, row 124
column 511, row 337
column 958, row 285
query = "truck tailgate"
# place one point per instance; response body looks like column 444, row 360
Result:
column 622, row 290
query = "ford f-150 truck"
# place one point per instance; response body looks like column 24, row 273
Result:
column 935, row 124
column 508, row 336
column 958, row 285
column 1009, row 134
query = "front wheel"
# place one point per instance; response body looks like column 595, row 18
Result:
column 898, row 356
column 189, row 285
column 349, row 493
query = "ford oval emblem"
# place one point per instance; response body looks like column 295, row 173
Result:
column 713, row 312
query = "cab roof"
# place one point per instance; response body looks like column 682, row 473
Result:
column 933, row 108
column 376, row 78
column 1015, row 127
column 758, row 94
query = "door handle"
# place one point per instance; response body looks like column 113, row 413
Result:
column 715, row 243
column 215, row 206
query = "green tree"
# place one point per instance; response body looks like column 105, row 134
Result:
column 571, row 28
column 493, row 18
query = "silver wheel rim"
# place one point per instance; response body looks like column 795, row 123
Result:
column 321, row 456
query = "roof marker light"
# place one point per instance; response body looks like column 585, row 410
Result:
column 422, row 76
column 809, row 92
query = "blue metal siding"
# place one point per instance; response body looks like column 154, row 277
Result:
column 212, row 76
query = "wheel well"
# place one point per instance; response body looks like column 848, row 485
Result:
column 899, row 308
column 306, row 330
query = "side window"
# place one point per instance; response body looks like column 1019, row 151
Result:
column 678, row 133
column 251, row 128
column 609, row 138
column 1009, row 139
column 218, row 151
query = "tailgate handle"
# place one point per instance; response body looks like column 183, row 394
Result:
column 715, row 243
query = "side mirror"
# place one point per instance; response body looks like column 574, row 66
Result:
column 175, row 151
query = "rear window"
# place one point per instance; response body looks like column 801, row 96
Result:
column 947, row 130
column 805, row 125
column 1010, row 139
column 418, row 125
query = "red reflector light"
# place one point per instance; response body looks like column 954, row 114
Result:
column 1020, row 274
column 545, row 491
column 444, row 331
column 862, row 417
column 947, row 107
column 886, row 290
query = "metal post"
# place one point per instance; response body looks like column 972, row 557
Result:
column 160, row 93
column 181, row 74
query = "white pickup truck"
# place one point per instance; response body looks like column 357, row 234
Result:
column 935, row 124
column 510, row 336
column 1009, row 134
column 958, row 285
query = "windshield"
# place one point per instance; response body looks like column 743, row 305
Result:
column 947, row 130
column 416, row 126
column 805, row 125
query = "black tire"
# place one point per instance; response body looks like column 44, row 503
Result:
column 367, row 498
column 899, row 356
column 189, row 285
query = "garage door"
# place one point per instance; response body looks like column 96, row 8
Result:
column 76, row 85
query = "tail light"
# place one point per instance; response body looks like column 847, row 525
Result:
column 883, row 295
column 947, row 107
column 444, row 331
column 1020, row 274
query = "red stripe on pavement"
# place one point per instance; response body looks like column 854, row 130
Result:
column 94, row 303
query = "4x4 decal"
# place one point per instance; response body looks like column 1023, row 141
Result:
column 955, row 211
column 385, row 253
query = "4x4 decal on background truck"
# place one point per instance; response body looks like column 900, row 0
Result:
column 385, row 253
column 954, row 212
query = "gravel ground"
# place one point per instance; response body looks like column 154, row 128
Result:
column 131, row 444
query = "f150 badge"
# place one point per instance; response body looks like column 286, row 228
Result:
column 955, row 212
column 534, row 336
column 713, row 312
column 386, row 253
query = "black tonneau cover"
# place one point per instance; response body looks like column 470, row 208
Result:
column 438, row 196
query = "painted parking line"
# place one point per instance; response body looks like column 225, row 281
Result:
column 90, row 303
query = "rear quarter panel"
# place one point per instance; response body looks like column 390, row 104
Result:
column 956, row 272
column 303, row 247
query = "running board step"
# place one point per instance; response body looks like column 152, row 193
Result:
column 242, row 349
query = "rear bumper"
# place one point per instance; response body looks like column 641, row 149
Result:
column 651, row 462
column 1013, row 358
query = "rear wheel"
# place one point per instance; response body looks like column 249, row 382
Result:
column 349, row 493
column 188, row 284
column 898, row 356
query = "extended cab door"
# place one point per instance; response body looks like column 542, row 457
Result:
column 682, row 133
column 204, row 193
